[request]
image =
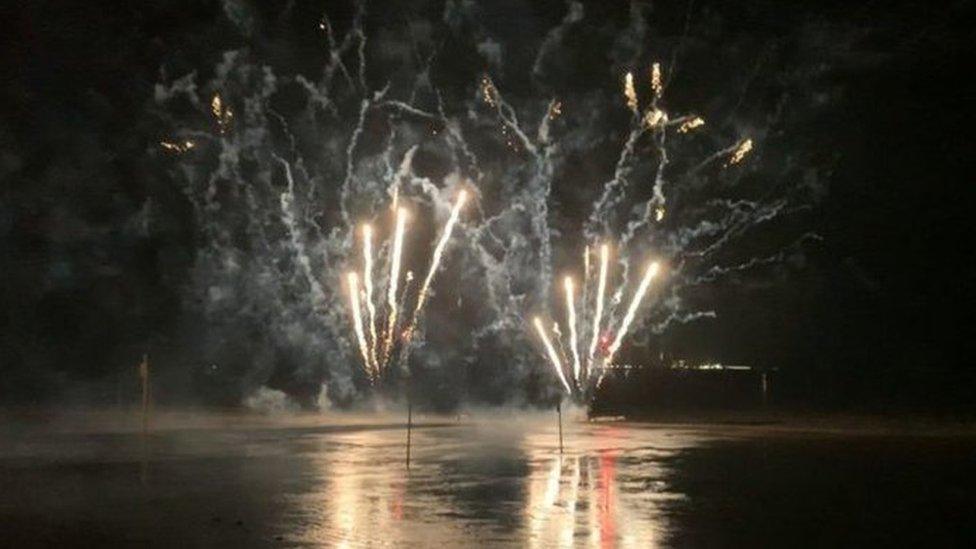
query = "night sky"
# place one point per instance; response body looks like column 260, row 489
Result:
column 870, row 105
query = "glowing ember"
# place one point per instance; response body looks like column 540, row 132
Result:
column 656, row 80
column 654, row 117
column 630, row 93
column 488, row 92
column 180, row 147
column 740, row 152
column 221, row 112
column 691, row 124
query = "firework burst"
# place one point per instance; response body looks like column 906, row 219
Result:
column 280, row 195
column 378, row 344
column 587, row 371
column 597, row 322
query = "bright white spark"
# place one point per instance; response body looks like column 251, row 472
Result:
column 436, row 260
column 629, row 317
column 357, row 321
column 600, row 293
column 551, row 351
column 573, row 341
column 391, row 294
column 368, row 286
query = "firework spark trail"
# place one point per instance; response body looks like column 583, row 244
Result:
column 357, row 321
column 368, row 286
column 391, row 295
column 571, row 320
column 551, row 351
column 435, row 263
column 585, row 300
column 600, row 293
column 631, row 310
column 558, row 332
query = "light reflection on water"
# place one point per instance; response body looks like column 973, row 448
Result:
column 341, row 482
column 487, row 483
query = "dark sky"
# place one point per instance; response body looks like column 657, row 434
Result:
column 877, row 315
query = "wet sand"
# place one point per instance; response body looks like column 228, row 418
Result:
column 492, row 479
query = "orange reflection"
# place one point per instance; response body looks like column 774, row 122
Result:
column 580, row 500
column 606, row 492
column 607, row 474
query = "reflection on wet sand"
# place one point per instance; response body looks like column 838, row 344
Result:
column 500, row 481
column 357, row 492
column 483, row 486
column 579, row 500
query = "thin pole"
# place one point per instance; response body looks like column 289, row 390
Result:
column 765, row 389
column 144, row 376
column 559, row 413
column 409, row 426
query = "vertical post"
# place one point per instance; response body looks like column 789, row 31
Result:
column 409, row 426
column 144, row 377
column 765, row 389
column 559, row 413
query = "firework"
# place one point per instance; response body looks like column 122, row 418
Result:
column 571, row 320
column 441, row 245
column 221, row 112
column 368, row 287
column 691, row 124
column 585, row 371
column 656, row 84
column 741, row 150
column 216, row 106
column 555, row 110
column 586, row 267
column 631, row 310
column 551, row 351
column 377, row 343
column 391, row 294
column 630, row 93
column 601, row 290
column 512, row 243
column 357, row 320
column 585, row 300
column 180, row 147
column 435, row 262
column 488, row 92
column 654, row 117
